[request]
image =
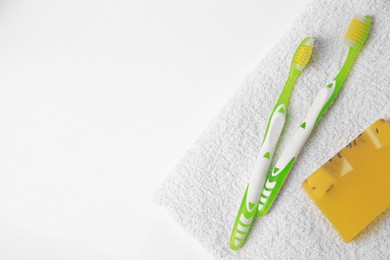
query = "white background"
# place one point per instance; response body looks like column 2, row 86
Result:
column 98, row 101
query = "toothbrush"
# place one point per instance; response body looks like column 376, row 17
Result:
column 355, row 38
column 275, row 124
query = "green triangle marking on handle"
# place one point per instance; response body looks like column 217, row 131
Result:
column 276, row 169
column 303, row 125
column 281, row 110
column 267, row 155
column 251, row 206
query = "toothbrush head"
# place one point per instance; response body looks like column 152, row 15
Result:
column 303, row 53
column 358, row 31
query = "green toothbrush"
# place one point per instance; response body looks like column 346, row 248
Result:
column 355, row 37
column 275, row 125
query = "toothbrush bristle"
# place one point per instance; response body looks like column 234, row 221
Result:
column 358, row 31
column 303, row 53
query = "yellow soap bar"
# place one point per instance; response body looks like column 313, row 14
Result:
column 353, row 187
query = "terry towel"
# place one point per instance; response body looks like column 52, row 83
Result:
column 204, row 191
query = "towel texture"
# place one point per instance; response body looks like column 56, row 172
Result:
column 205, row 190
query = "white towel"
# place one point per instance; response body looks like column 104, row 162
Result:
column 204, row 191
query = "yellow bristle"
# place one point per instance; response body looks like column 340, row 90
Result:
column 357, row 31
column 303, row 55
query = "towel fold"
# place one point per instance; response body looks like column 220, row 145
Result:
column 204, row 191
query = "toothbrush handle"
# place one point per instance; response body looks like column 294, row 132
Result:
column 249, row 203
column 283, row 166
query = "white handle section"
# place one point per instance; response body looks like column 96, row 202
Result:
column 259, row 174
column 302, row 134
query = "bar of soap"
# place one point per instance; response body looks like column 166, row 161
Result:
column 353, row 187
